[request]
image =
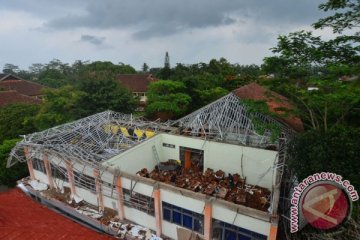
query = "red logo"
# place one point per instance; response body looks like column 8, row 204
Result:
column 325, row 206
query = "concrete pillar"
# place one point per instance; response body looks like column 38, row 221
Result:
column 158, row 216
column 208, row 221
column 48, row 171
column 273, row 229
column 29, row 163
column 98, row 189
column 120, row 198
column 70, row 174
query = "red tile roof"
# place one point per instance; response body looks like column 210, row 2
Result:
column 9, row 97
column 136, row 82
column 275, row 102
column 8, row 76
column 22, row 218
column 11, row 82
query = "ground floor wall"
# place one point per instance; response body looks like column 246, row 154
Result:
column 153, row 205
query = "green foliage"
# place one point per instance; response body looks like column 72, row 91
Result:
column 337, row 150
column 9, row 176
column 254, row 106
column 10, row 68
column 94, row 93
column 210, row 95
column 107, row 67
column 347, row 18
column 60, row 106
column 145, row 68
column 167, row 96
column 328, row 106
column 103, row 93
column 17, row 119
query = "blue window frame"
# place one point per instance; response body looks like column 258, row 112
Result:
column 226, row 231
column 183, row 217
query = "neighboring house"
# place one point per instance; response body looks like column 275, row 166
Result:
column 12, row 96
column 228, row 185
column 14, row 89
column 277, row 103
column 137, row 84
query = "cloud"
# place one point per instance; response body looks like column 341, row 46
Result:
column 92, row 39
column 138, row 31
column 160, row 18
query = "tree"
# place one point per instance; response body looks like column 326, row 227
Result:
column 10, row 68
column 145, row 68
column 9, row 176
column 209, row 95
column 337, row 150
column 106, row 67
column 347, row 18
column 60, row 106
column 102, row 93
column 17, row 119
column 166, row 96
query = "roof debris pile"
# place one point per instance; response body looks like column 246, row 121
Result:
column 132, row 232
column 232, row 188
column 107, row 217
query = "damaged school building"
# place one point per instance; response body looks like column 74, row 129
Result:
column 214, row 173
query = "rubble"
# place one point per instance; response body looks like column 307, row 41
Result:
column 131, row 231
column 37, row 185
column 232, row 188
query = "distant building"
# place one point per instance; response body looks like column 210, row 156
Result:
column 137, row 84
column 14, row 89
column 10, row 97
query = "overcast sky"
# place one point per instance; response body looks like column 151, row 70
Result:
column 138, row 31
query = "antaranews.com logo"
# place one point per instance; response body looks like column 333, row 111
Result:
column 323, row 200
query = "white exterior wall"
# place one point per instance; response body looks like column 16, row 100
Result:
column 142, row 188
column 87, row 195
column 257, row 163
column 137, row 157
column 191, row 204
column 110, row 202
column 140, row 217
column 42, row 177
column 179, row 200
column 250, row 223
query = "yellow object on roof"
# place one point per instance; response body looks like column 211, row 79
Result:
column 125, row 132
column 149, row 134
column 107, row 128
column 138, row 133
column 114, row 129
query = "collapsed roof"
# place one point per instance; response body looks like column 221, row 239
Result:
column 228, row 119
column 99, row 137
column 90, row 140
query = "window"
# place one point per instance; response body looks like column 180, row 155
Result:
column 183, row 217
column 38, row 165
column 109, row 190
column 225, row 231
column 58, row 172
column 138, row 201
column 84, row 181
column 168, row 145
